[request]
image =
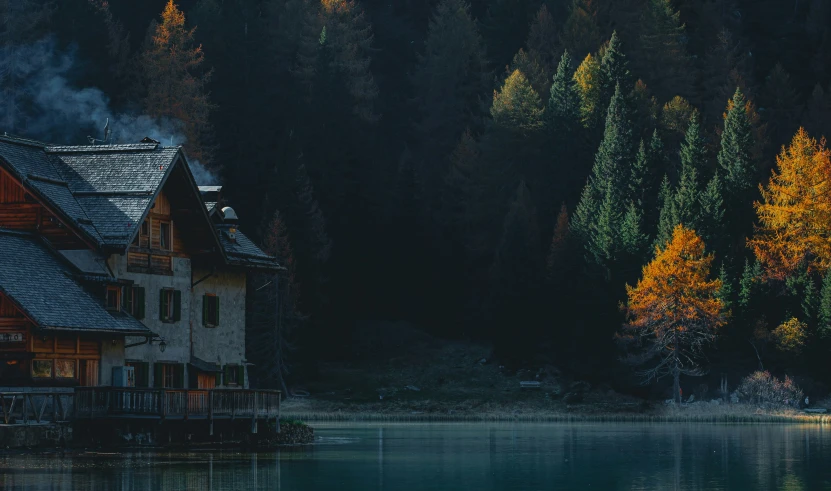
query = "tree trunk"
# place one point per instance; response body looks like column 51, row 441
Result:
column 676, row 384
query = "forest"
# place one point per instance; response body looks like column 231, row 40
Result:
column 536, row 174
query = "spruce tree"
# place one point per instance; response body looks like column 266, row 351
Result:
column 735, row 155
column 607, row 184
column 737, row 170
column 782, row 105
column 663, row 58
column 824, row 309
column 639, row 175
column 517, row 106
column 633, row 240
column 563, row 113
column 581, row 33
column 693, row 160
column 726, row 292
column 666, row 217
column 614, row 69
column 543, row 43
column 449, row 83
column 712, row 213
column 809, row 303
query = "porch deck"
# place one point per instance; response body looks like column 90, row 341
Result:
column 133, row 403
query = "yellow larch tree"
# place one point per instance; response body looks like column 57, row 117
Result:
column 587, row 77
column 176, row 81
column 674, row 311
column 794, row 215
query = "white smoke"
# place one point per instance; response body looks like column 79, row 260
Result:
column 40, row 102
column 48, row 106
column 203, row 176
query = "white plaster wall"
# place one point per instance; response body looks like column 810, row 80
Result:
column 224, row 344
column 112, row 355
column 176, row 335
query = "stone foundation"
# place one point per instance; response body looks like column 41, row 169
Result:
column 36, row 435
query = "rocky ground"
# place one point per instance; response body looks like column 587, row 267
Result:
column 413, row 376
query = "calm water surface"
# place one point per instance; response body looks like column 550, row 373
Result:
column 479, row 457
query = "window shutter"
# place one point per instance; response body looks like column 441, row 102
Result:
column 140, row 299
column 218, row 379
column 180, row 376
column 216, row 302
column 227, row 370
column 158, row 375
column 204, row 310
column 177, row 305
column 127, row 299
column 162, row 305
column 241, row 375
column 145, row 372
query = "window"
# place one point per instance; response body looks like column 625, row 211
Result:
column 169, row 375
column 142, row 372
column 210, row 310
column 145, row 229
column 113, row 298
column 134, row 301
column 42, row 368
column 234, row 375
column 170, row 305
column 65, row 368
column 164, row 236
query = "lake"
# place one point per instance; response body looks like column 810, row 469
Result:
column 478, row 457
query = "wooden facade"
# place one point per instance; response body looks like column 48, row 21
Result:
column 159, row 240
column 20, row 210
column 28, row 357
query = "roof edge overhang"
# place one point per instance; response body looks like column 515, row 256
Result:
column 66, row 220
column 90, row 330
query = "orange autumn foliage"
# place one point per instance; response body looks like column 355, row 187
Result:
column 674, row 309
column 795, row 212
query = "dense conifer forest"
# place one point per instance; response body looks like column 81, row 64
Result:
column 537, row 174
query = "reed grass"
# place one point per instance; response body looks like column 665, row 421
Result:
column 675, row 415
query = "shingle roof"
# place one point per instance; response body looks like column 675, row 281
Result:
column 114, row 184
column 105, row 190
column 242, row 251
column 43, row 286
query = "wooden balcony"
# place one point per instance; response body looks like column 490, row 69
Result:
column 184, row 404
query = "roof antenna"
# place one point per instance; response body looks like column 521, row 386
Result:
column 106, row 139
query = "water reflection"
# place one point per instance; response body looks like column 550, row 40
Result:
column 462, row 457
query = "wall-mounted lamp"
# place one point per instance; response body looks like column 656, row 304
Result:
column 162, row 346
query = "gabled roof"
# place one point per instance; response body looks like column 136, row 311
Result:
column 103, row 191
column 243, row 252
column 42, row 285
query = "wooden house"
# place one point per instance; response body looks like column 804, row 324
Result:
column 126, row 230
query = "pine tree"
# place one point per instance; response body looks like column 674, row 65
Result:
column 517, row 107
column 664, row 62
column 563, row 112
column 726, row 292
column 639, row 175
column 824, row 309
column 558, row 250
column 746, row 285
column 449, row 82
column 712, row 213
column 596, row 219
column 782, row 105
column 516, row 276
column 666, row 217
column 633, row 240
column 543, row 43
column 737, row 168
column 537, row 77
column 810, row 301
column 581, row 34
column 817, row 117
column 587, row 80
column 176, row 82
column 614, row 70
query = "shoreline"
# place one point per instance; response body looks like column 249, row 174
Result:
column 692, row 413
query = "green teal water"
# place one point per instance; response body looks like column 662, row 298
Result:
column 480, row 457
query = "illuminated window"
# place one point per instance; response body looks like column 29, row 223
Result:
column 65, row 368
column 42, row 368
